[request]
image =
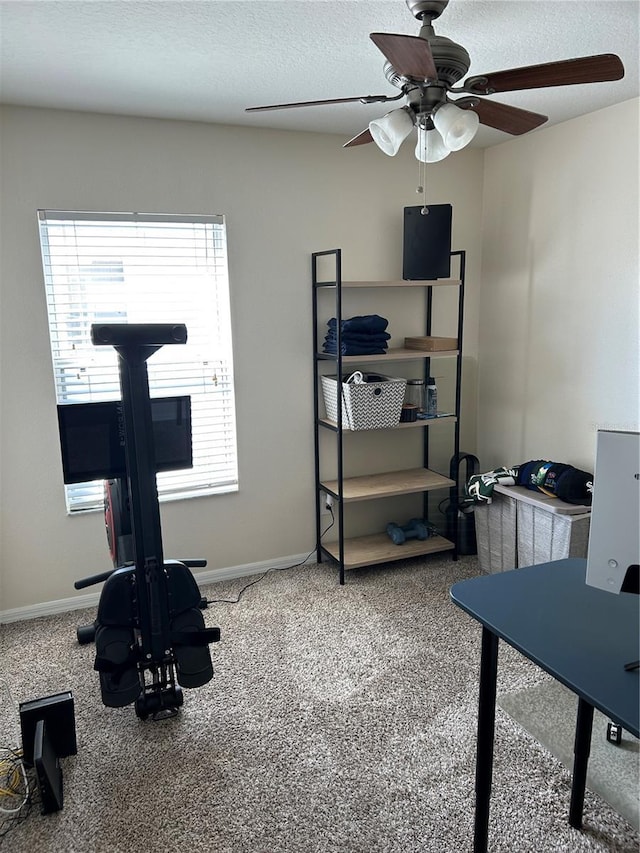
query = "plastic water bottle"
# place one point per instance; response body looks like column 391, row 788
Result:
column 431, row 401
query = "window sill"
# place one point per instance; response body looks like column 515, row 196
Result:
column 199, row 493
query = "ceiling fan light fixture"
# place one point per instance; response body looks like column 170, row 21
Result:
column 390, row 131
column 457, row 127
column 430, row 147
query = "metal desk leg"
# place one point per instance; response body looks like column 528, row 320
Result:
column 581, row 749
column 486, row 730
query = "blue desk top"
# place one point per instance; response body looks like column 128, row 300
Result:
column 581, row 635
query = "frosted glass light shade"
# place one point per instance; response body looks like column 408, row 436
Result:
column 457, row 127
column 390, row 131
column 430, row 147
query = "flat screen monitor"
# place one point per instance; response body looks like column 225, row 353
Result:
column 92, row 438
column 613, row 558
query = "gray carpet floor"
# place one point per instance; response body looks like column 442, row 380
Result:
column 339, row 720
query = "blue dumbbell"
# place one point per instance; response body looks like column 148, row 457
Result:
column 414, row 529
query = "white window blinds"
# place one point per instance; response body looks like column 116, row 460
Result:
column 144, row 268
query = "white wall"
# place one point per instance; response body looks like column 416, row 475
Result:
column 284, row 195
column 559, row 317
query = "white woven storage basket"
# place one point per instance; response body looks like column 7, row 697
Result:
column 365, row 405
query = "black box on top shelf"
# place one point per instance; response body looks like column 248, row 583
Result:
column 427, row 242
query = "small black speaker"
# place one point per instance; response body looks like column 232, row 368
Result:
column 427, row 242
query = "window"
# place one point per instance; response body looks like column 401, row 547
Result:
column 145, row 268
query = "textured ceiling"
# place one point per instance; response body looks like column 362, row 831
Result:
column 207, row 60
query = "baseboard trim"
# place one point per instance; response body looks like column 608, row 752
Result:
column 80, row 602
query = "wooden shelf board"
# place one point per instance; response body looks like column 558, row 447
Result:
column 431, row 282
column 392, row 354
column 325, row 422
column 378, row 548
column 391, row 483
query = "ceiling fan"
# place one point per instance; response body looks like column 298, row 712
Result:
column 427, row 68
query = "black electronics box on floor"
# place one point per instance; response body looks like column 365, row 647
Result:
column 427, row 242
column 48, row 770
column 59, row 715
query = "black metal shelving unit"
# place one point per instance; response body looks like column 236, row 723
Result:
column 377, row 548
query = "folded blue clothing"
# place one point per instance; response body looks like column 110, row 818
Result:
column 355, row 348
column 358, row 338
column 366, row 323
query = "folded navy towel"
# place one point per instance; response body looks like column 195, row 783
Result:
column 366, row 323
column 355, row 349
column 357, row 338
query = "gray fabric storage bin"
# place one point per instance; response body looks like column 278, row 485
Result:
column 496, row 535
column 524, row 528
column 543, row 536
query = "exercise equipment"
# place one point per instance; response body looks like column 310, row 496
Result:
column 117, row 517
column 150, row 636
column 416, row 528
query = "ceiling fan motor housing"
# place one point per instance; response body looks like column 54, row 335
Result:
column 452, row 60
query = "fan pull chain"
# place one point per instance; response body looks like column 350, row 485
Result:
column 422, row 175
column 420, row 187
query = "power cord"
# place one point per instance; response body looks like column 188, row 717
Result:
column 15, row 790
column 268, row 571
column 14, row 784
column 15, row 787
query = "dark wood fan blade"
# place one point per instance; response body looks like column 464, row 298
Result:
column 568, row 72
column 502, row 116
column 410, row 55
column 361, row 139
column 364, row 98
